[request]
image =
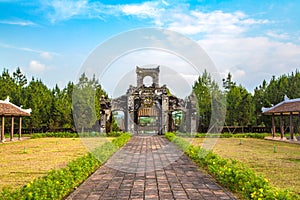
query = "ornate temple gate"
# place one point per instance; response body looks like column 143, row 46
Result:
column 148, row 120
column 148, row 110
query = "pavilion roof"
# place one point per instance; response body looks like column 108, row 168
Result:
column 285, row 107
column 9, row 109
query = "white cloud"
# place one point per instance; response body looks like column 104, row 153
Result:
column 216, row 22
column 275, row 35
column 66, row 9
column 252, row 59
column 36, row 67
column 177, row 17
column 41, row 53
column 46, row 55
column 17, row 22
column 146, row 9
column 224, row 35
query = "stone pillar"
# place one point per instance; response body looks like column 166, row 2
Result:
column 170, row 121
column 110, row 117
column 281, row 127
column 165, row 114
column 188, row 120
column 130, row 122
column 2, row 129
column 194, row 121
column 12, row 129
column 135, row 122
column 126, row 120
column 130, row 113
column 102, row 122
column 291, row 126
column 273, row 126
column 155, row 80
column 20, row 128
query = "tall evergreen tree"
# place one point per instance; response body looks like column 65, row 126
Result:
column 239, row 103
column 209, row 100
column 86, row 105
column 39, row 98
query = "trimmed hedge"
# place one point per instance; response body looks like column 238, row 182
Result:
column 59, row 183
column 225, row 135
column 232, row 174
column 114, row 134
column 75, row 135
column 57, row 134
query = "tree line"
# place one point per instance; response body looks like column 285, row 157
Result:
column 53, row 108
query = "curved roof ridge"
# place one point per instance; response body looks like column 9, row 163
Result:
column 285, row 108
column 25, row 111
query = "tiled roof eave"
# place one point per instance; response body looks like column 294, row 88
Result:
column 286, row 108
column 8, row 109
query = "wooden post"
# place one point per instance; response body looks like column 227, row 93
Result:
column 299, row 121
column 281, row 126
column 291, row 126
column 20, row 128
column 273, row 126
column 12, row 129
column 2, row 129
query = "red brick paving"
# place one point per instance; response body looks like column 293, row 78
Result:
column 149, row 168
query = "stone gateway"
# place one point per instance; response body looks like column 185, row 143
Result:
column 150, row 109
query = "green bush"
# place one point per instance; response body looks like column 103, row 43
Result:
column 121, row 140
column 231, row 135
column 232, row 174
column 59, row 183
column 52, row 134
column 91, row 134
column 114, row 134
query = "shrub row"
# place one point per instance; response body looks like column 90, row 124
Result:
column 114, row 134
column 59, row 183
column 75, row 135
column 225, row 135
column 230, row 173
column 53, row 134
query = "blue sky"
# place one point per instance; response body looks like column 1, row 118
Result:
column 51, row 39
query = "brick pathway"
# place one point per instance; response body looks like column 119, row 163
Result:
column 149, row 168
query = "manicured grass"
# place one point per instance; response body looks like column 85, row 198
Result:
column 23, row 161
column 282, row 168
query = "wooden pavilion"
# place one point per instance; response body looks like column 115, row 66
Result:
column 288, row 107
column 8, row 109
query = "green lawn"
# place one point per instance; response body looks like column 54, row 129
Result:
column 22, row 161
column 282, row 168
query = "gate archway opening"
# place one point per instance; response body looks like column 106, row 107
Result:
column 148, row 120
column 119, row 117
column 177, row 120
column 148, row 81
